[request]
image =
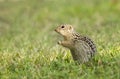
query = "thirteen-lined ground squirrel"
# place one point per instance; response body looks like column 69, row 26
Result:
column 82, row 48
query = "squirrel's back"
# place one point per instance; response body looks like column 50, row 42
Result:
column 85, row 39
column 84, row 48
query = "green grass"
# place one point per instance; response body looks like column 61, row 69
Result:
column 28, row 43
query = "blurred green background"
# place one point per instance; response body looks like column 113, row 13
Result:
column 28, row 43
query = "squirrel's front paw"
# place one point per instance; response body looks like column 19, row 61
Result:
column 59, row 42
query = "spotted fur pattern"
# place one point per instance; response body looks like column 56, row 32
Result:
column 86, row 40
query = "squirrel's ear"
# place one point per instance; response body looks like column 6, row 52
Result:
column 70, row 28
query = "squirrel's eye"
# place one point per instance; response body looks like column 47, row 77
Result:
column 62, row 26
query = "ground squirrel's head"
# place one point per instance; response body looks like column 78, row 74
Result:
column 65, row 29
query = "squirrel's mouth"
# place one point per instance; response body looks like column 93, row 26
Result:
column 56, row 30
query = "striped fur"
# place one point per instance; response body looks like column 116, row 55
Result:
column 87, row 40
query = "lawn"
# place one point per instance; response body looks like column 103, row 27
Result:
column 28, row 43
